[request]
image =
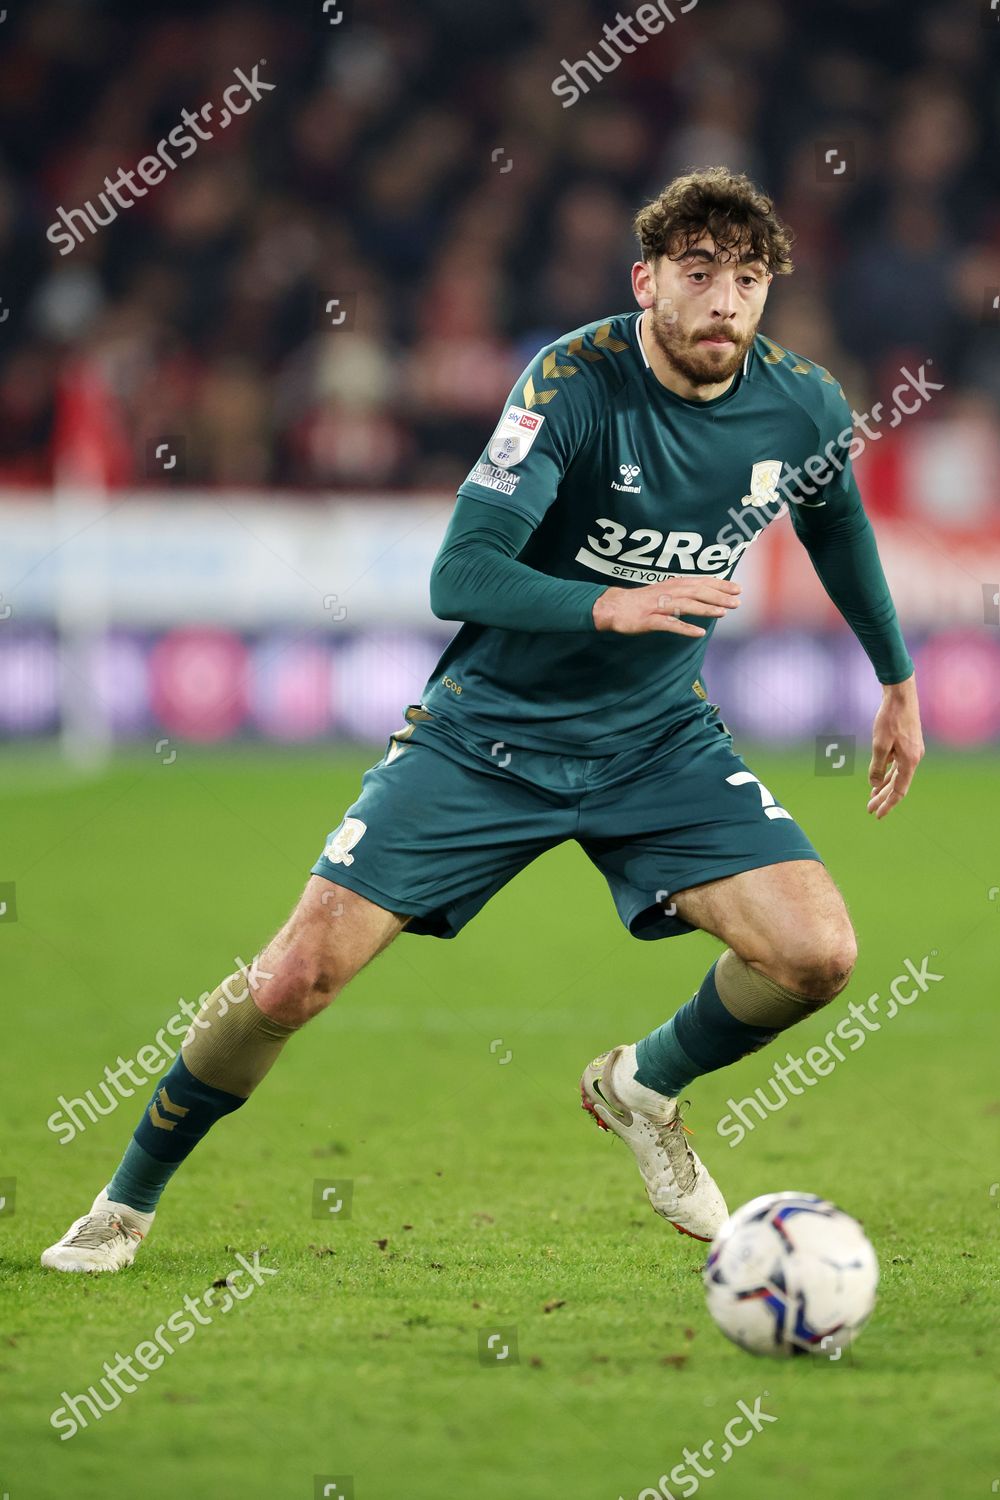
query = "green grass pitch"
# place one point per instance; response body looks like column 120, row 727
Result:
column 443, row 1085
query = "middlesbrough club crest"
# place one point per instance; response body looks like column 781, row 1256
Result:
column 764, row 483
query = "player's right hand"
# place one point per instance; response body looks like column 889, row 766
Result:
column 658, row 606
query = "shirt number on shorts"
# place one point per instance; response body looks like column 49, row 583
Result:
column 767, row 802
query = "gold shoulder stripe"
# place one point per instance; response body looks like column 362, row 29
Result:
column 801, row 367
column 535, row 398
column 576, row 347
column 604, row 340
column 552, row 371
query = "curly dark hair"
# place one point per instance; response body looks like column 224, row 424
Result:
column 724, row 204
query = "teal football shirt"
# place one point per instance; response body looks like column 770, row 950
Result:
column 626, row 483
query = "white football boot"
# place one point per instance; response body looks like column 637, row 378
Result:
column 106, row 1239
column 679, row 1188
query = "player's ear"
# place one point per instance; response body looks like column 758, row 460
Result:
column 644, row 283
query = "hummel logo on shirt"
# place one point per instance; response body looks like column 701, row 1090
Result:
column 628, row 473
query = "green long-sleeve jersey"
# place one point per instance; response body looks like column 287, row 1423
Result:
column 599, row 476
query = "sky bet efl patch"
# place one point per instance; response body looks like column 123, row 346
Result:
column 514, row 436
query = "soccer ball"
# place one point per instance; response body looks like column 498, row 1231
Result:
column 790, row 1273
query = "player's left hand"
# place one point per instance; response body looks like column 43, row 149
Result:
column 897, row 747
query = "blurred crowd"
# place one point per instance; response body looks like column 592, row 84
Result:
column 337, row 290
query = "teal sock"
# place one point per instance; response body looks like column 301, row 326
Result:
column 181, row 1111
column 700, row 1038
column 140, row 1179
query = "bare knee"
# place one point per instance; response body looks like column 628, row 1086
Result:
column 305, row 966
column 297, row 984
column 327, row 940
column 816, row 961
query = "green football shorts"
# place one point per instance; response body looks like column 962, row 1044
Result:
column 444, row 821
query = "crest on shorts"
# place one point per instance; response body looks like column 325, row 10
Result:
column 338, row 850
column 764, row 483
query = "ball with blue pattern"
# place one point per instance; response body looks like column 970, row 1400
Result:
column 791, row 1274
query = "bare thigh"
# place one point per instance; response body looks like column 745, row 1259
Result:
column 787, row 920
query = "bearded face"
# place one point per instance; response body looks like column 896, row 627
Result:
column 704, row 354
column 706, row 311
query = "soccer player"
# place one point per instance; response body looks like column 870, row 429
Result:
column 636, row 460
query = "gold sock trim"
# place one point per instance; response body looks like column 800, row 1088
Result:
column 231, row 1044
column 757, row 1000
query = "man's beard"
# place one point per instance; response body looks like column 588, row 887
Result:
column 700, row 365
